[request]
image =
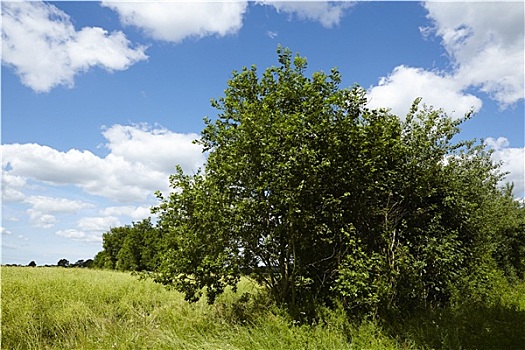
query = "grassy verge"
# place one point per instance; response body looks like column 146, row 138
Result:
column 54, row 308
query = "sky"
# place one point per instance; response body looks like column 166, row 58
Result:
column 101, row 100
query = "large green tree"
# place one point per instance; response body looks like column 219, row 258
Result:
column 323, row 199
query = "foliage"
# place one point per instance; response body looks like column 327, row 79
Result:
column 130, row 248
column 509, row 239
column 200, row 253
column 63, row 263
column 323, row 200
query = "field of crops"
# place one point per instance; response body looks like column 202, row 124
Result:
column 59, row 308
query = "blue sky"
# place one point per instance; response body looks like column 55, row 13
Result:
column 100, row 101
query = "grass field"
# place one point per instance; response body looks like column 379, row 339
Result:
column 57, row 308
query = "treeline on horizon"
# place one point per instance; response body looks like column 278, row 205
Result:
column 324, row 202
column 88, row 263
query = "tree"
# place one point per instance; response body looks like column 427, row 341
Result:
column 32, row 264
column 88, row 263
column 100, row 259
column 78, row 263
column 112, row 244
column 63, row 263
column 323, row 199
column 131, row 248
column 509, row 237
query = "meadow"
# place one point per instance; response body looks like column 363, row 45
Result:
column 59, row 308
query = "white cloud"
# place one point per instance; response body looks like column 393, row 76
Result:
column 12, row 186
column 36, row 29
column 272, row 34
column 513, row 162
column 56, row 205
column 79, row 235
column 89, row 229
column 40, row 219
column 110, row 177
column 328, row 13
column 140, row 161
column 405, row 84
column 135, row 213
column 4, row 231
column 71, row 233
column 157, row 148
column 43, row 208
column 496, row 144
column 485, row 52
column 485, row 41
column 98, row 224
column 176, row 21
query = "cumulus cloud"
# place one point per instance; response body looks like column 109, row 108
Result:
column 157, row 148
column 176, row 21
column 12, row 186
column 328, row 13
column 90, row 229
column 40, row 219
column 513, row 162
column 485, row 52
column 405, row 84
column 487, row 49
column 4, row 231
column 77, row 235
column 139, row 163
column 111, row 177
column 42, row 209
column 56, row 205
column 37, row 29
column 135, row 213
column 98, row 224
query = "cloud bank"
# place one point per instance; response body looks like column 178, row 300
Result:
column 140, row 159
column 118, row 186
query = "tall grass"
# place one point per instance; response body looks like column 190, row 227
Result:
column 55, row 308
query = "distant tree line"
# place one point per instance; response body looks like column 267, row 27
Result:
column 61, row 263
column 80, row 263
column 326, row 202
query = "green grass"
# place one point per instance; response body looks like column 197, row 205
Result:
column 55, row 308
column 498, row 325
